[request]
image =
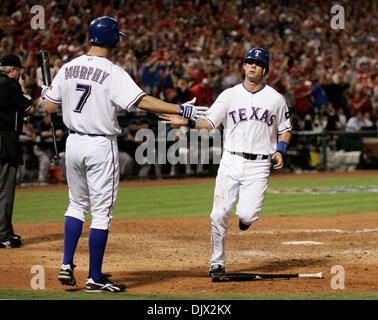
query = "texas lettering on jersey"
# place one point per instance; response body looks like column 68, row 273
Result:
column 252, row 113
column 86, row 73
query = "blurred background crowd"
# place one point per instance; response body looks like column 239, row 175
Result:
column 177, row 50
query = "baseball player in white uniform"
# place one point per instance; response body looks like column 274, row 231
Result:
column 90, row 89
column 257, row 127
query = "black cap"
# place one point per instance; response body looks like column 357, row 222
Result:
column 10, row 60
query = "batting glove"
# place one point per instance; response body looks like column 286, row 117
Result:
column 189, row 111
column 44, row 90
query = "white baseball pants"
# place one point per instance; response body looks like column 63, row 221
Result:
column 237, row 177
column 92, row 175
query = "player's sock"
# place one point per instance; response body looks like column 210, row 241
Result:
column 97, row 244
column 72, row 232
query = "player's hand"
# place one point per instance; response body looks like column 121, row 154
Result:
column 277, row 161
column 173, row 120
column 189, row 111
column 44, row 90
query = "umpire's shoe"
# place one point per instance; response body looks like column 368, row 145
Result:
column 104, row 285
column 14, row 241
column 66, row 276
column 216, row 268
column 243, row 226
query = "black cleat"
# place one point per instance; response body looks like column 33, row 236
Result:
column 104, row 285
column 14, row 241
column 216, row 268
column 66, row 276
column 243, row 226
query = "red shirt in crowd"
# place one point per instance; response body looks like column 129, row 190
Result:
column 302, row 103
column 360, row 102
column 204, row 94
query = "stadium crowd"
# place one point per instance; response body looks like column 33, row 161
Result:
column 177, row 50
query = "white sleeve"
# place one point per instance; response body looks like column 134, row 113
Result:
column 54, row 94
column 217, row 112
column 283, row 118
column 124, row 91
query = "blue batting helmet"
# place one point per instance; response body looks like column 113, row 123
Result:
column 259, row 54
column 103, row 31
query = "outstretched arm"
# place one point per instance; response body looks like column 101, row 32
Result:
column 180, row 121
column 155, row 105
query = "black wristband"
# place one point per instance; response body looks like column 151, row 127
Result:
column 191, row 123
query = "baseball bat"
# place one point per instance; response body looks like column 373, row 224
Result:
column 223, row 277
column 46, row 77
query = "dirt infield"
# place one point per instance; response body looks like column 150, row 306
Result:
column 172, row 255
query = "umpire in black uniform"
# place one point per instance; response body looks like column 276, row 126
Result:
column 14, row 102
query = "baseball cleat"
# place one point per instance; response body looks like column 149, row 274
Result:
column 104, row 285
column 66, row 276
column 14, row 241
column 216, row 268
column 243, row 226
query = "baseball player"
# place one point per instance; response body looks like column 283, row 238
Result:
column 257, row 128
column 90, row 89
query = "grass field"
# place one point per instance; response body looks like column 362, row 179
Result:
column 52, row 295
column 195, row 201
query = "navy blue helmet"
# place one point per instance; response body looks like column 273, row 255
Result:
column 259, row 54
column 104, row 31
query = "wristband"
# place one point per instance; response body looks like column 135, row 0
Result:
column 191, row 124
column 281, row 147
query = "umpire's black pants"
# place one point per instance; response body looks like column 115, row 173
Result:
column 8, row 175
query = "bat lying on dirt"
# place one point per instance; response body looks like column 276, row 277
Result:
column 222, row 277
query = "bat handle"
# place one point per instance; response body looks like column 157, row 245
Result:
column 56, row 156
column 311, row 275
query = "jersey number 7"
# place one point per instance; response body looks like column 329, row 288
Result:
column 86, row 89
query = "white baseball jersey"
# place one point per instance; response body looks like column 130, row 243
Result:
column 91, row 89
column 251, row 124
column 251, row 120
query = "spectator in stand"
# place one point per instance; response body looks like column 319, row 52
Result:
column 183, row 92
column 356, row 123
column 44, row 149
column 203, row 92
column 369, row 125
column 302, row 95
column 170, row 95
column 319, row 97
column 314, row 157
column 28, row 138
column 146, row 75
column 308, row 124
column 299, row 158
column 342, row 119
column 360, row 101
column 171, row 76
column 332, row 122
column 335, row 87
